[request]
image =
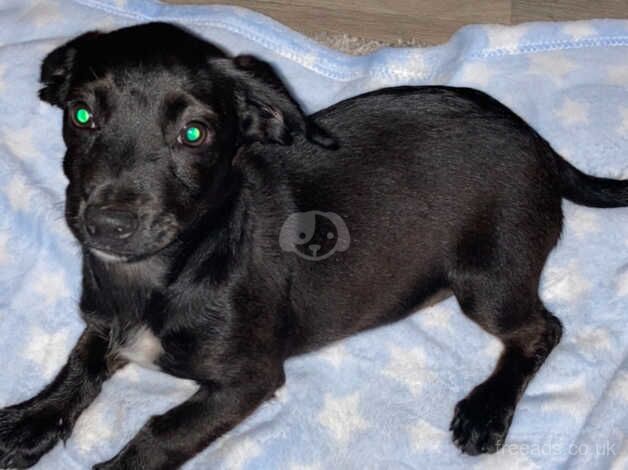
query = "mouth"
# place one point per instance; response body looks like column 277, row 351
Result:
column 109, row 257
column 109, row 254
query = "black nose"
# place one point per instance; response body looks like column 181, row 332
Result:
column 107, row 222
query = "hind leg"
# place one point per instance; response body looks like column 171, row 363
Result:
column 511, row 311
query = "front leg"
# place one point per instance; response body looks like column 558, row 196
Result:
column 30, row 429
column 169, row 440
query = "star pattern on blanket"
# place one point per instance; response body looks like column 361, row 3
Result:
column 437, row 317
column 579, row 30
column 239, row 455
column 619, row 387
column 94, row 427
column 411, row 65
column 21, row 143
column 50, row 286
column 476, row 73
column 45, row 13
column 583, row 221
column 492, row 349
column 334, row 354
column 5, row 256
column 572, row 112
column 618, row 74
column 131, row 373
column 18, row 191
column 568, row 396
column 565, row 283
column 107, row 24
column 591, row 342
column 409, row 367
column 505, row 37
column 341, row 416
column 555, row 66
column 48, row 350
column 621, row 462
column 424, row 436
column 622, row 284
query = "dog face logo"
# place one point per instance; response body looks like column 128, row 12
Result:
column 314, row 235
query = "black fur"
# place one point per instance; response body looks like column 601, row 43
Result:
column 440, row 189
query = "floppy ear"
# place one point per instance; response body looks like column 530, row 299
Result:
column 267, row 112
column 56, row 70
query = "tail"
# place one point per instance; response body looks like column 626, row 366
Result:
column 590, row 190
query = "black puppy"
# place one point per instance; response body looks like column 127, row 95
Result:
column 185, row 170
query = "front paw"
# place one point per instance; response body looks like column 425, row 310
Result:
column 26, row 435
column 481, row 422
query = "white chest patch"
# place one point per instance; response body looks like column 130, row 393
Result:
column 142, row 347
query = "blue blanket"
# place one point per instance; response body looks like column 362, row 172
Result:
column 382, row 399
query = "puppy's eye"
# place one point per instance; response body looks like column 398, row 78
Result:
column 193, row 134
column 82, row 116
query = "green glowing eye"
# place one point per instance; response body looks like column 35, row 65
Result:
column 193, row 134
column 81, row 115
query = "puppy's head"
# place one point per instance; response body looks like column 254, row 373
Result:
column 153, row 117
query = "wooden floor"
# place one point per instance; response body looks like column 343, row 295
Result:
column 429, row 21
